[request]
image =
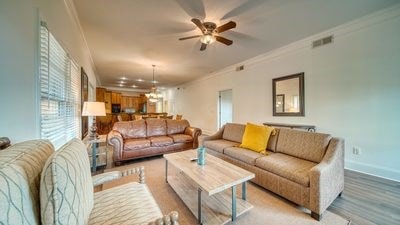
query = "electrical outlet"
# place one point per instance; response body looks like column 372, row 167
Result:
column 356, row 150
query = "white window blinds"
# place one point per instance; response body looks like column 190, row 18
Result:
column 59, row 91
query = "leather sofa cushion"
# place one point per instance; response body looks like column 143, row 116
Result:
column 156, row 127
column 289, row 167
column 133, row 144
column 233, row 132
column 176, row 126
column 301, row 144
column 242, row 154
column 181, row 138
column 131, row 129
column 161, row 141
column 219, row 145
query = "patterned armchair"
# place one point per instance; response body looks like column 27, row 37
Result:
column 66, row 189
column 20, row 168
column 67, row 193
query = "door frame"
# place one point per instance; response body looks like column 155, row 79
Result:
column 219, row 125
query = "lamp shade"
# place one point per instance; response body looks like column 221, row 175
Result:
column 94, row 109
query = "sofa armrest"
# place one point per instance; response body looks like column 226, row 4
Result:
column 114, row 138
column 114, row 175
column 170, row 219
column 215, row 136
column 327, row 178
column 195, row 133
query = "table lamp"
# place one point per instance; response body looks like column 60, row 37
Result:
column 93, row 109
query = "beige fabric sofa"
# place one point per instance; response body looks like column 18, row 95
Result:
column 304, row 167
column 40, row 186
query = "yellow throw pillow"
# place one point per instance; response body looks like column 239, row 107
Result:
column 256, row 137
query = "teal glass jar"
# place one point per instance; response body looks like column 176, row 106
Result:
column 201, row 156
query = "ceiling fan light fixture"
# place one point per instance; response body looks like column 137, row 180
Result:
column 207, row 39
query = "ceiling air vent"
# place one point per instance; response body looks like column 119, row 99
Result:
column 239, row 68
column 322, row 41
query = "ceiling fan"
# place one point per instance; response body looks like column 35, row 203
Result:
column 211, row 33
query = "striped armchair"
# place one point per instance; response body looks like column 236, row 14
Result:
column 40, row 186
column 67, row 193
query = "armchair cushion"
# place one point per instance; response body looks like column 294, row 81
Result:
column 20, row 169
column 114, row 206
column 133, row 144
column 161, row 141
column 66, row 189
column 289, row 167
column 181, row 138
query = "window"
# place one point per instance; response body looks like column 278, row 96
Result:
column 59, row 91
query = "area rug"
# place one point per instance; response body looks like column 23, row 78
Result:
column 269, row 208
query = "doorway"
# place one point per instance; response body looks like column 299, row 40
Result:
column 225, row 107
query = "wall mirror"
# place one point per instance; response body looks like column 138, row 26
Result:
column 288, row 95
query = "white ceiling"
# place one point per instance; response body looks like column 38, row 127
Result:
column 126, row 37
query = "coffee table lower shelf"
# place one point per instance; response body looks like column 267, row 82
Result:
column 216, row 209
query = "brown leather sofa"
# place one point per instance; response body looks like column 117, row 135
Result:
column 143, row 138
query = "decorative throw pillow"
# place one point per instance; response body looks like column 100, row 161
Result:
column 66, row 187
column 256, row 137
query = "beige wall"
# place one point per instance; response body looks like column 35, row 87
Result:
column 352, row 90
column 19, row 24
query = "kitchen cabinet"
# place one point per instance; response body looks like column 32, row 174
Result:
column 115, row 98
column 100, row 92
column 107, row 101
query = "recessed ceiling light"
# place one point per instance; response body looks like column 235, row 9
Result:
column 154, row 82
column 121, row 85
column 134, row 86
column 139, row 80
column 122, row 82
column 124, row 78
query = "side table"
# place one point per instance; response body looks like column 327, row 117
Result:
column 98, row 154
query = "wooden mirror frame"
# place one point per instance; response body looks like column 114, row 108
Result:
column 301, row 95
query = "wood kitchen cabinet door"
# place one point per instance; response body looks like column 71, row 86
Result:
column 124, row 102
column 115, row 98
column 100, row 92
column 107, row 101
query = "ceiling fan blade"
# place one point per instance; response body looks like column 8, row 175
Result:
column 203, row 47
column 195, row 36
column 223, row 40
column 199, row 24
column 225, row 27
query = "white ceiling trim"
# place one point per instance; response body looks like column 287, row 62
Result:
column 71, row 9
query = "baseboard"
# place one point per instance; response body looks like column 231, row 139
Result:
column 376, row 171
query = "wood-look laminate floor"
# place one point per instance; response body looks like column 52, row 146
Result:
column 368, row 200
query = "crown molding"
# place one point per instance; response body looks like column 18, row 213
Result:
column 126, row 89
column 71, row 9
column 340, row 31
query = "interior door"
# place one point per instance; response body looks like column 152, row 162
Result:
column 225, row 107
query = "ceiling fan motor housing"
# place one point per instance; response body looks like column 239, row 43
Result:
column 210, row 27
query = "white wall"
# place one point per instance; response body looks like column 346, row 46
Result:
column 352, row 90
column 19, row 24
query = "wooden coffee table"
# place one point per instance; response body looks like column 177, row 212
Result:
column 208, row 184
